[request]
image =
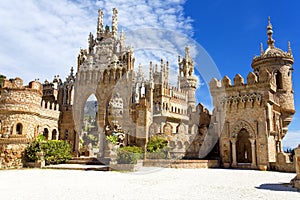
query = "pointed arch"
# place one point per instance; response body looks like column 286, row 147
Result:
column 242, row 125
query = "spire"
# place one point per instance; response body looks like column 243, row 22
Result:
column 289, row 48
column 100, row 23
column 261, row 49
column 151, row 71
column 270, row 34
column 72, row 71
column 114, row 22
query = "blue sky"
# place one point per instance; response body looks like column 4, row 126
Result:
column 41, row 38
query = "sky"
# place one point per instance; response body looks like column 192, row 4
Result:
column 41, row 38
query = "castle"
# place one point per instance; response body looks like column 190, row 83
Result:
column 246, row 127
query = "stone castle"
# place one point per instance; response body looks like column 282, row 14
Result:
column 246, row 127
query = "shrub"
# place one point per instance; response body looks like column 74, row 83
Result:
column 32, row 150
column 156, row 144
column 129, row 154
column 55, row 151
column 112, row 139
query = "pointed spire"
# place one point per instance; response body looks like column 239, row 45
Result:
column 100, row 23
column 289, row 48
column 270, row 34
column 72, row 71
column 261, row 49
column 115, row 22
column 151, row 71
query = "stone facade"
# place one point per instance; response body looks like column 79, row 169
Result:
column 253, row 117
column 246, row 127
column 142, row 107
column 23, row 115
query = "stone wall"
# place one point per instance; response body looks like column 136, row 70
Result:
column 296, row 181
column 11, row 155
column 283, row 164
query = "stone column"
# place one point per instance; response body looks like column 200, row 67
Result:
column 233, row 143
column 253, row 164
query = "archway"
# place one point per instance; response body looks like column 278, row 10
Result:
column 243, row 147
column 89, row 136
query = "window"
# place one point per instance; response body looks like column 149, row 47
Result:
column 279, row 80
column 19, row 128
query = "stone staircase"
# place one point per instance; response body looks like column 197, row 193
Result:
column 81, row 163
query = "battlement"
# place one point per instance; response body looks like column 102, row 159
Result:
column 253, row 80
column 17, row 83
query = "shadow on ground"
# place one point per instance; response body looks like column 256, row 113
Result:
column 277, row 187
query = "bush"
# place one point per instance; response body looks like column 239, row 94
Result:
column 156, row 144
column 129, row 154
column 32, row 150
column 55, row 151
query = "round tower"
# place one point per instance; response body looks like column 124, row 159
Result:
column 279, row 64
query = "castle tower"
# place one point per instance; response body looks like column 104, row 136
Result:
column 186, row 80
column 279, row 64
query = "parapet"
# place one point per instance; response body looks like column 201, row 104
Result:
column 264, row 76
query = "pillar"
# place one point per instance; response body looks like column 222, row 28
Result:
column 253, row 152
column 233, row 144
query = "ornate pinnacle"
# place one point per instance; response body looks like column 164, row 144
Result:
column 100, row 22
column 270, row 34
column 261, row 49
column 289, row 48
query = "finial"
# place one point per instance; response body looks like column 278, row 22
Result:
column 261, row 49
column 289, row 48
column 71, row 71
column 100, row 23
column 270, row 34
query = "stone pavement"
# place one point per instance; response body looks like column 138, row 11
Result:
column 147, row 183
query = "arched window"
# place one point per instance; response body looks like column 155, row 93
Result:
column 19, row 128
column 54, row 134
column 279, row 80
column 46, row 133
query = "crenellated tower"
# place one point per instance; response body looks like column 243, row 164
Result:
column 252, row 118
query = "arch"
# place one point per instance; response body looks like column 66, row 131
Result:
column 153, row 129
column 54, row 134
column 19, row 128
column 242, row 125
column 46, row 133
column 180, row 129
column 167, row 129
column 243, row 147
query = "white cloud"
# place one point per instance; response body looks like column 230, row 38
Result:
column 291, row 139
column 42, row 38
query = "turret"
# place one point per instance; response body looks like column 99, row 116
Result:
column 280, row 65
column 186, row 80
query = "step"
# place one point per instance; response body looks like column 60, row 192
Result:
column 79, row 167
column 84, row 161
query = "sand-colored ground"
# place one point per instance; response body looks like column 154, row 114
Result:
column 148, row 183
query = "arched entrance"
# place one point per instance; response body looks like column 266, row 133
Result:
column 243, row 147
column 89, row 135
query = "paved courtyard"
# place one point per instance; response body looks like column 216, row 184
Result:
column 148, row 183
